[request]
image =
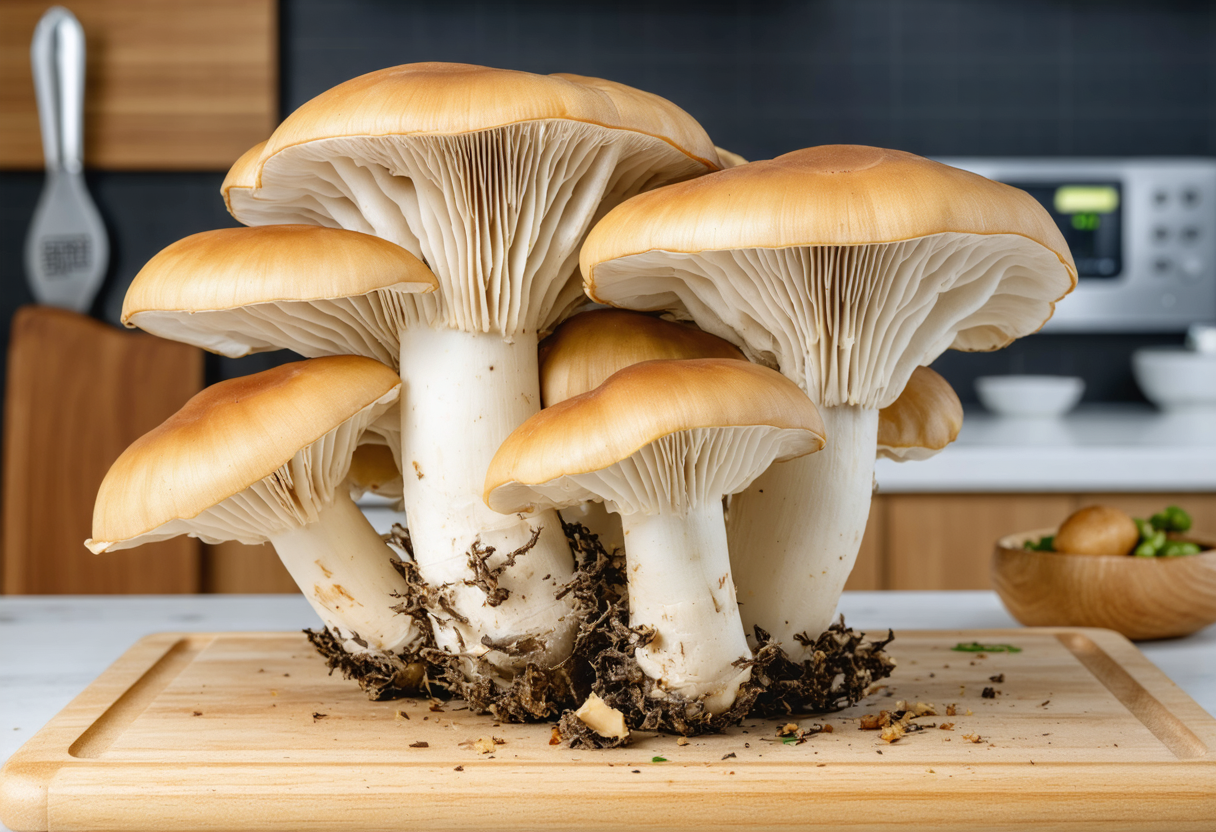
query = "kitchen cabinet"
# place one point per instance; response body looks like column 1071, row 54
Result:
column 945, row 541
column 912, row 541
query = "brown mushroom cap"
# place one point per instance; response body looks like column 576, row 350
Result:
column 1097, row 530
column 845, row 267
column 925, row 418
column 230, row 436
column 842, row 195
column 447, row 98
column 729, row 158
column 491, row 176
column 244, row 172
column 589, row 347
column 234, row 267
column 642, row 404
column 373, row 468
column 318, row 291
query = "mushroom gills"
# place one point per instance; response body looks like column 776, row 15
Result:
column 483, row 209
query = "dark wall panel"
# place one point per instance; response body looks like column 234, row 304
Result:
column 936, row 77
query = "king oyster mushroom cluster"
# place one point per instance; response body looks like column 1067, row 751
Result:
column 415, row 232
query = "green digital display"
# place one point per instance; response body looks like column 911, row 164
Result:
column 1090, row 216
column 1086, row 199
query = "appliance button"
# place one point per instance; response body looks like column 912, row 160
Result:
column 1190, row 234
column 1190, row 197
column 1160, row 198
column 1192, row 268
column 1162, row 265
column 1161, row 233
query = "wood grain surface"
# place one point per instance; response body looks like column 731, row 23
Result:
column 243, row 569
column 944, row 541
column 1142, row 598
column 170, row 84
column 78, row 392
column 248, row 731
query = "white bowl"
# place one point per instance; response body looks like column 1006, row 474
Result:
column 1033, row 397
column 1176, row 379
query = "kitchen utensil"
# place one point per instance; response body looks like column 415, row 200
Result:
column 249, row 731
column 1029, row 396
column 66, row 248
column 78, row 392
column 1142, row 598
column 1176, row 379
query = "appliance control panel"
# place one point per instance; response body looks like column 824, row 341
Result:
column 1142, row 232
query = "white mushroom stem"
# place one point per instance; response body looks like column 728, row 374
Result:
column 463, row 394
column 346, row 572
column 680, row 584
column 795, row 532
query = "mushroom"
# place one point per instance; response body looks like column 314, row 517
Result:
column 263, row 458
column 316, row 291
column 492, row 178
column 845, row 268
column 588, row 348
column 1097, row 530
column 729, row 158
column 925, row 418
column 661, row 443
column 373, row 469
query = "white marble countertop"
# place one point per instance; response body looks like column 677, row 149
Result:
column 1099, row 448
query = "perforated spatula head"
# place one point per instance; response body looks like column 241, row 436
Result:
column 66, row 249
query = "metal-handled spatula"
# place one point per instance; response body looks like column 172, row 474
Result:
column 66, row 250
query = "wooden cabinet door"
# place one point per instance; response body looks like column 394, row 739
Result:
column 870, row 570
column 945, row 541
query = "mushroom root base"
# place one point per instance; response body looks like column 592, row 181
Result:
column 840, row 667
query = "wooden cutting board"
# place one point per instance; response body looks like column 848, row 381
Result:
column 78, row 392
column 246, row 731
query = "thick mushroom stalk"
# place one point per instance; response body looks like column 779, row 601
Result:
column 845, row 268
column 216, row 470
column 680, row 586
column 799, row 552
column 924, row 419
column 661, row 443
column 467, row 392
column 492, row 178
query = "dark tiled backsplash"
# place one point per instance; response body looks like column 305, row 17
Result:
column 936, row 77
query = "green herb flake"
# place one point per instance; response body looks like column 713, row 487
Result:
column 658, row 759
column 789, row 740
column 976, row 647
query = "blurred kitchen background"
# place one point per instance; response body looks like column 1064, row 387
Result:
column 176, row 89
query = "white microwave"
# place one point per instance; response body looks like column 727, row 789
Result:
column 1142, row 232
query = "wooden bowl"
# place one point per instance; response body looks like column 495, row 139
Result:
column 1142, row 598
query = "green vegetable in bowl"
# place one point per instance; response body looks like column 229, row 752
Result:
column 1043, row 544
column 1154, row 539
column 1173, row 519
column 1178, row 548
column 1150, row 546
